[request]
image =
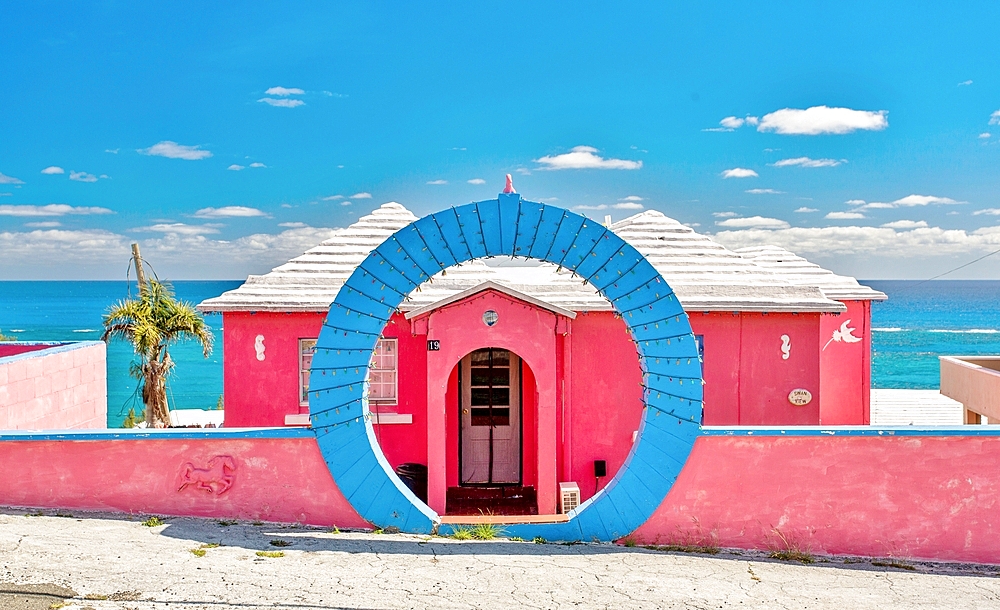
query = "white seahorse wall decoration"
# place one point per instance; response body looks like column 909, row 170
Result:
column 844, row 333
column 258, row 346
column 786, row 346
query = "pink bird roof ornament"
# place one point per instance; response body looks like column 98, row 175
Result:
column 510, row 186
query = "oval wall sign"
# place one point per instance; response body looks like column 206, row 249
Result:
column 800, row 397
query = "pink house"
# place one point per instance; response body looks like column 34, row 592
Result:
column 506, row 379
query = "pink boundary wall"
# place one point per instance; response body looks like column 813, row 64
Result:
column 54, row 386
column 913, row 493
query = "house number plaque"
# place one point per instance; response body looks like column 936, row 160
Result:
column 434, row 345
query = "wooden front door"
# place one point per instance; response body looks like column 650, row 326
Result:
column 491, row 418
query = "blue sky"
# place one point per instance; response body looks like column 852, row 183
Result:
column 219, row 136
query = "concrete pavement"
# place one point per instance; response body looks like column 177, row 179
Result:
column 113, row 562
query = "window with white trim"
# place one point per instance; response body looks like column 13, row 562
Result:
column 383, row 373
column 307, row 347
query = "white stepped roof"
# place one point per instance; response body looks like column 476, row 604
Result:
column 705, row 275
column 798, row 270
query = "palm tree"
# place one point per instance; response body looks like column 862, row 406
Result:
column 150, row 323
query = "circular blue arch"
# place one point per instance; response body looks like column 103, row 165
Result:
column 508, row 226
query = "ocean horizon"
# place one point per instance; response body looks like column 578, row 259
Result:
column 920, row 322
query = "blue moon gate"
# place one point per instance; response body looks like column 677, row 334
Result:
column 508, row 226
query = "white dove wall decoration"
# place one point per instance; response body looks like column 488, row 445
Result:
column 844, row 333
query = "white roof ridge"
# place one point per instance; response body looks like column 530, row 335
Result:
column 489, row 285
column 801, row 271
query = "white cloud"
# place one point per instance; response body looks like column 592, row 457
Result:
column 906, row 224
column 345, row 203
column 105, row 177
column 804, row 210
column 6, row 194
column 732, row 123
column 9, row 180
column 739, row 172
column 756, row 222
column 173, row 150
column 229, row 211
column 584, row 157
column 52, row 209
column 819, row 120
column 628, row 205
column 884, row 242
column 764, row 192
column 235, row 168
column 361, row 196
column 725, row 214
column 807, row 162
column 47, row 224
column 844, row 216
column 591, row 207
column 292, row 225
column 437, row 182
column 179, row 228
column 113, row 151
column 965, row 83
column 476, row 181
column 257, row 164
column 547, row 199
column 632, row 198
column 283, row 91
column 281, row 103
column 82, row 176
column 855, row 202
column 995, row 118
column 987, row 211
column 52, row 169
column 332, row 198
column 984, row 135
column 914, row 200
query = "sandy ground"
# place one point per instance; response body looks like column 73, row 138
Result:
column 108, row 561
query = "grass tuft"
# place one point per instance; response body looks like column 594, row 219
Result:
column 198, row 552
column 792, row 555
column 280, row 543
column 227, row 522
column 154, row 521
column 539, row 540
column 271, row 554
column 210, row 545
column 461, row 532
column 486, row 531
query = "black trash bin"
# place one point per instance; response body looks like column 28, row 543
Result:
column 414, row 476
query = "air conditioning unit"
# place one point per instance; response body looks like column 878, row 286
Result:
column 569, row 497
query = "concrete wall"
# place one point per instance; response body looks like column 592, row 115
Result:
column 903, row 492
column 973, row 381
column 54, row 386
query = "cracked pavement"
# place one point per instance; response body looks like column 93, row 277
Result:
column 114, row 562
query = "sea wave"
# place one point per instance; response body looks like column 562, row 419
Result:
column 17, row 330
column 85, row 330
column 971, row 331
column 894, row 329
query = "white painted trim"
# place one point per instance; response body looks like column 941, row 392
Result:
column 489, row 285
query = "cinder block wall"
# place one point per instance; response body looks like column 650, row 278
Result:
column 60, row 387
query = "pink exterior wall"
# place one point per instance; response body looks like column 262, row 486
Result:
column 55, row 388
column 845, row 367
column 907, row 494
column 747, row 381
column 606, row 397
column 402, row 443
column 273, row 479
column 919, row 496
column 526, row 330
column 262, row 392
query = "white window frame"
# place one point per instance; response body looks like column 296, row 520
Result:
column 303, row 384
column 394, row 369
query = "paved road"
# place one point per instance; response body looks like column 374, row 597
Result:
column 111, row 562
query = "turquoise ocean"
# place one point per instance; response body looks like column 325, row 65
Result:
column 919, row 322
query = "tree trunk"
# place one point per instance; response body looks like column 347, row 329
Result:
column 154, row 391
